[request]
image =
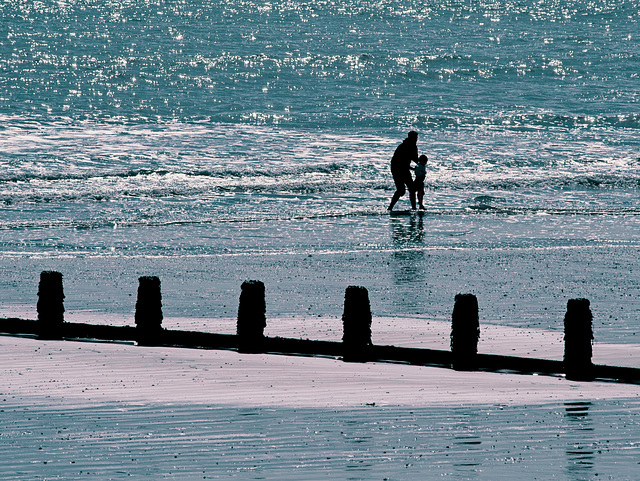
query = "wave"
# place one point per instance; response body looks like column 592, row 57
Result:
column 29, row 177
column 523, row 121
column 222, row 173
column 325, row 180
column 518, row 120
column 611, row 181
column 554, row 211
column 373, row 119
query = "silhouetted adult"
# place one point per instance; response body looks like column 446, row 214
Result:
column 405, row 153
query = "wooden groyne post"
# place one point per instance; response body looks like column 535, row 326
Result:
column 578, row 336
column 356, row 324
column 148, row 315
column 465, row 332
column 50, row 305
column 251, row 317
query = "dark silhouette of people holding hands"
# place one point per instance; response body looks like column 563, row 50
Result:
column 405, row 153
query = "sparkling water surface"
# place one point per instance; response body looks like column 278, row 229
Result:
column 132, row 130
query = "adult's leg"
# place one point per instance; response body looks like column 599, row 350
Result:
column 400, row 190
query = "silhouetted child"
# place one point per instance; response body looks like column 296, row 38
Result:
column 421, row 172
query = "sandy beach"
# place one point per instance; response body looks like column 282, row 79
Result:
column 75, row 410
column 81, row 410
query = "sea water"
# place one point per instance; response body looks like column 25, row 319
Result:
column 162, row 135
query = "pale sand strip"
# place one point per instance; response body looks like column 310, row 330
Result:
column 419, row 332
column 88, row 373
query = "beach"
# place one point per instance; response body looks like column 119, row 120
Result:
column 92, row 410
column 113, row 411
column 78, row 410
column 116, row 410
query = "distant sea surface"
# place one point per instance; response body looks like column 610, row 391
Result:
column 206, row 129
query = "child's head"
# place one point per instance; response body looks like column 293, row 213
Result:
column 423, row 159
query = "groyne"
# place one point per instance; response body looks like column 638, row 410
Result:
column 356, row 345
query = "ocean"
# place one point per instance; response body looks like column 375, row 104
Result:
column 212, row 142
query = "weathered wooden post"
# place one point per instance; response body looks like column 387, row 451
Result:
column 148, row 311
column 50, row 305
column 578, row 336
column 465, row 332
column 251, row 317
column 356, row 324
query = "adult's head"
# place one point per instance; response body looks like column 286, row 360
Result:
column 413, row 136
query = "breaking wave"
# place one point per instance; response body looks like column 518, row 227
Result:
column 298, row 180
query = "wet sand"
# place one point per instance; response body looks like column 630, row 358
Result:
column 112, row 411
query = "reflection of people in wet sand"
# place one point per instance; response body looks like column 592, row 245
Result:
column 406, row 153
column 418, row 183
